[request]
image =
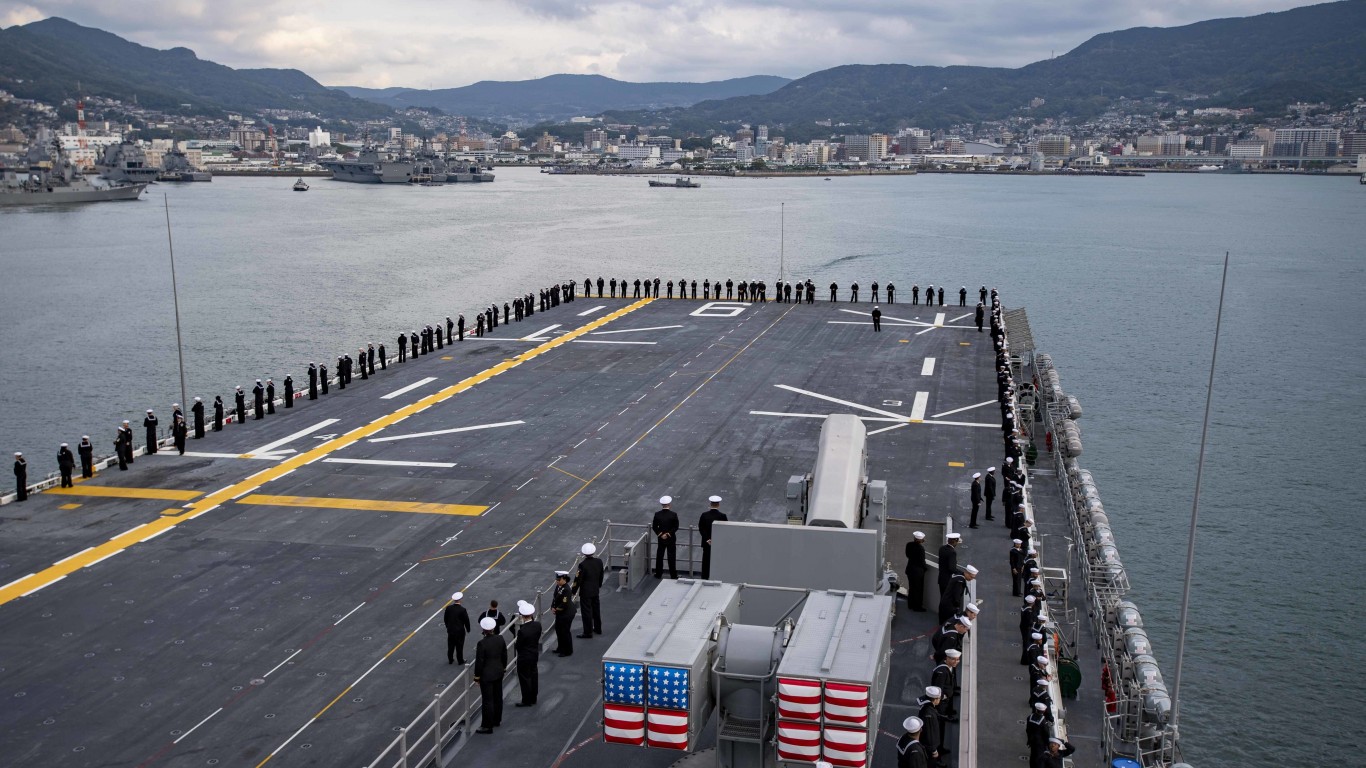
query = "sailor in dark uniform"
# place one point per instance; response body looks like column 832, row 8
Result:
column 479, row 324
column 258, row 397
column 198, row 411
column 562, row 605
column 712, row 516
column 979, row 316
column 742, row 290
column 364, row 369
column 413, row 342
column 706, row 288
column 963, row 296
column 989, row 491
column 490, row 663
column 118, row 447
column 915, row 572
column 982, row 295
column 289, row 391
column 1028, row 613
column 457, row 621
column 87, row 451
column 128, row 447
column 370, row 356
column 729, row 285
column 460, row 327
column 932, row 734
column 322, row 377
column 975, row 496
column 694, row 289
column 218, row 413
column 179, row 431
column 948, row 560
column 665, row 528
column 915, row 294
column 1017, row 560
column 402, row 347
column 587, row 584
column 955, row 595
column 929, row 295
column 877, row 319
column 945, row 678
column 150, row 424
column 1056, row 751
column 528, row 646
column 1032, row 651
column 834, row 288
column 941, row 295
column 20, row 476
column 910, row 753
column 891, row 293
column 507, row 310
column 270, row 396
column 341, row 372
column 240, row 404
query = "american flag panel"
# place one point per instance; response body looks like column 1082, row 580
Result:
column 800, row 741
column 667, row 728
column 623, row 724
column 668, row 687
column 845, row 703
column 845, row 747
column 623, row 683
column 799, row 699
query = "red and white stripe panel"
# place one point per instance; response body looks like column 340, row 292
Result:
column 845, row 703
column 846, row 747
column 667, row 728
column 623, row 724
column 799, row 699
column 799, row 741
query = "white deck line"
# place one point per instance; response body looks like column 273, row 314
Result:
column 408, row 388
column 444, row 431
column 384, row 463
column 922, row 399
column 927, row 369
column 268, row 447
column 588, row 312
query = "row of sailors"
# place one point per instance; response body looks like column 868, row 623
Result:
column 758, row 291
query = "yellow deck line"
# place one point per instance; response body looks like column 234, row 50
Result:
column 373, row 505
column 119, row 492
column 571, row 474
column 467, row 552
column 62, row 569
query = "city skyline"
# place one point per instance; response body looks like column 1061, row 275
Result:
column 419, row 44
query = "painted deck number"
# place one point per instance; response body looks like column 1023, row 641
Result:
column 719, row 309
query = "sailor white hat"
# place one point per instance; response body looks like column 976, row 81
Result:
column 18, row 453
column 1041, row 660
column 971, row 569
column 588, row 549
column 457, row 597
column 561, row 574
column 971, row 608
column 913, row 724
column 258, row 381
column 1036, row 635
column 1039, row 705
column 1036, row 582
column 149, row 410
column 1032, row 551
column 714, row 499
column 199, row 399
column 1030, row 598
column 63, row 445
column 666, row 499
column 1010, row 460
column 954, row 536
column 125, row 421
column 526, row 609
column 918, row 535
column 175, row 405
column 976, row 475
column 487, row 623
column 953, row 653
column 933, row 691
column 965, row 621
column 1054, row 739
column 1016, row 541
column 85, row 437
column 991, row 469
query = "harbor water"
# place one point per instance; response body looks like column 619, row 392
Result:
column 1120, row 277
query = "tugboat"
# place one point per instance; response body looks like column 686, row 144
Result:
column 176, row 167
column 45, row 178
column 300, row 185
column 680, row 183
column 126, row 163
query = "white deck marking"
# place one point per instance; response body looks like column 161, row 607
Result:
column 405, row 573
column 604, row 341
column 886, row 429
column 278, row 456
column 201, row 722
column 269, row 447
column 939, row 320
column 964, row 408
column 588, row 312
column 899, row 420
column 348, row 615
column 528, row 482
column 48, row 584
column 408, row 388
column 961, row 423
column 927, row 369
column 581, row 442
column 443, row 431
column 635, row 330
column 281, row 664
column 960, row 317
column 540, row 335
column 819, row 396
column 383, row 463
column 922, row 399
column 63, row 560
column 885, row 318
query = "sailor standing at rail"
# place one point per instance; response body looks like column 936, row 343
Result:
column 704, row 527
column 980, row 315
column 665, row 528
column 941, row 295
column 218, row 413
column 528, row 646
column 963, row 296
column 402, row 347
column 933, row 732
column 270, row 396
column 258, row 399
column 910, row 753
column 322, row 377
column 948, row 559
column 179, row 431
column 587, row 584
column 490, row 663
column 150, row 424
column 289, row 391
column 873, row 290
column 198, row 410
column 955, row 595
column 66, row 462
column 364, row 370
column 127, row 441
column 370, row 357
column 240, row 404
column 460, row 327
column 891, row 293
column 915, row 572
column 1017, row 558
column 975, row 495
column 118, row 448
column 87, row 451
column 562, row 606
column 20, row 476
column 945, row 678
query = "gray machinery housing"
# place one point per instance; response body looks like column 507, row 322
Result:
column 789, row 643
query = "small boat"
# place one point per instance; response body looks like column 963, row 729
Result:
column 300, row 186
column 680, row 183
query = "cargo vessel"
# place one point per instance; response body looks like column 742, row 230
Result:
column 275, row 595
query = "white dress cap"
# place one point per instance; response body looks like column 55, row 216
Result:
column 588, row 549
column 918, row 535
column 976, row 475
column 954, row 536
column 1039, row 705
column 933, row 691
column 953, row 653
column 458, row 596
column 1041, row 660
column 972, row 569
column 487, row 623
column 913, row 724
column 526, row 609
column 715, row 499
column 666, row 499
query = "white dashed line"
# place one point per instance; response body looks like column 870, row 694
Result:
column 357, row 608
column 201, row 722
column 405, row 573
column 281, row 664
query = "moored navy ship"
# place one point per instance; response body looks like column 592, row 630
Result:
column 175, row 166
column 275, row 596
column 47, row 177
column 126, row 163
column 370, row 167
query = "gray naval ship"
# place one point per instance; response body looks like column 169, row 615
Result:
column 370, row 167
column 175, row 166
column 275, row 596
column 46, row 176
column 126, row 163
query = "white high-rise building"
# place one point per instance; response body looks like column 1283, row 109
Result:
column 319, row 138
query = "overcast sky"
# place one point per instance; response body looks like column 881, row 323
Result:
column 448, row 43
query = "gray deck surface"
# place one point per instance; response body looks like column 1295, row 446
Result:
column 173, row 651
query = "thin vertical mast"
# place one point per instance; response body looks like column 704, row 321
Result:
column 175, row 294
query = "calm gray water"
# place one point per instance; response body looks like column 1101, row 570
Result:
column 1121, row 278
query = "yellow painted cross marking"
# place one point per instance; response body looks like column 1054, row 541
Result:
column 118, row 492
column 68, row 506
column 172, row 511
column 469, row 552
column 905, row 341
column 373, row 505
column 447, row 357
column 35, row 581
column 957, row 464
column 964, row 343
column 571, row 474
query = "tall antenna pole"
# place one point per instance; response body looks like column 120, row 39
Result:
column 782, row 241
column 175, row 294
column 1195, row 506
